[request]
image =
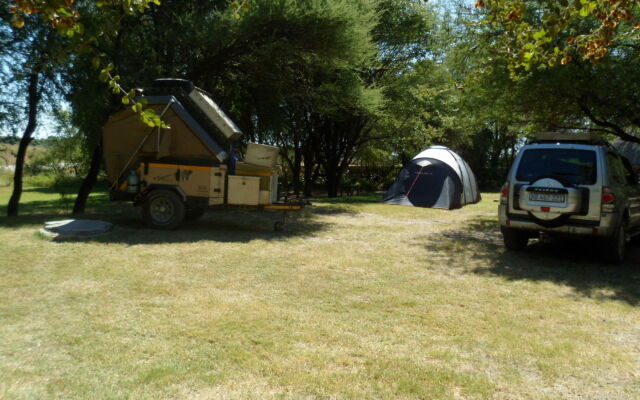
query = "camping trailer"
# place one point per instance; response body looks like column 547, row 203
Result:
column 175, row 174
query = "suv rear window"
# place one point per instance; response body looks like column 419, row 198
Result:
column 576, row 166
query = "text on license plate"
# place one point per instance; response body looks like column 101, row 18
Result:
column 550, row 197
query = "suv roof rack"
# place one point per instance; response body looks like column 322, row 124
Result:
column 568, row 137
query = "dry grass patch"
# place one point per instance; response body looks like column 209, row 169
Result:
column 356, row 300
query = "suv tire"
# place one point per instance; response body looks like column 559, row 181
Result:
column 514, row 239
column 614, row 247
column 163, row 209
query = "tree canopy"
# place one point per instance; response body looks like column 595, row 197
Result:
column 336, row 82
column 557, row 32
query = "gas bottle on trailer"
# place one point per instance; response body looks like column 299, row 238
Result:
column 133, row 182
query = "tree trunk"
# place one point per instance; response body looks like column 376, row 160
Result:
column 33, row 102
column 296, row 171
column 341, row 140
column 309, row 168
column 89, row 181
column 333, row 184
column 332, row 191
column 308, row 188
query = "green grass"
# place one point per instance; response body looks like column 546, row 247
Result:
column 355, row 300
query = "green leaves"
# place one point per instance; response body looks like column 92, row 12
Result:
column 540, row 34
column 147, row 116
column 151, row 119
column 587, row 7
column 128, row 6
column 552, row 33
column 239, row 6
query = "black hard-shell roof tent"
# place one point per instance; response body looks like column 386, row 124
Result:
column 437, row 177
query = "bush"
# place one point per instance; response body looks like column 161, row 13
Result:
column 364, row 179
column 36, row 166
column 66, row 186
column 6, row 176
column 40, row 180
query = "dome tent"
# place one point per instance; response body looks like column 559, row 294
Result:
column 437, row 177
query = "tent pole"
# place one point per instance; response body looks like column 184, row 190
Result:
column 414, row 181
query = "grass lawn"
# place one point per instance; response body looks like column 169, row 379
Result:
column 354, row 300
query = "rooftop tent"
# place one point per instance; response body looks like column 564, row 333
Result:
column 437, row 177
column 200, row 106
column 200, row 131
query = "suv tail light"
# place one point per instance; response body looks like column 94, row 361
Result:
column 608, row 200
column 504, row 193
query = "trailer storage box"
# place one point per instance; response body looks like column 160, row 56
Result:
column 194, row 180
column 260, row 154
column 243, row 190
column 265, row 197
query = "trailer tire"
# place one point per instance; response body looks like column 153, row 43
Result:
column 163, row 209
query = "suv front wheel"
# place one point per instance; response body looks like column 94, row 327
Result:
column 514, row 239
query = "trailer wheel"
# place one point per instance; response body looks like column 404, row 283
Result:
column 163, row 209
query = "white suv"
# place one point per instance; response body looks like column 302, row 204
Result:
column 570, row 184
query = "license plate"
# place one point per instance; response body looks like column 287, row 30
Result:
column 547, row 197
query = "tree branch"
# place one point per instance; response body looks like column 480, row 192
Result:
column 615, row 129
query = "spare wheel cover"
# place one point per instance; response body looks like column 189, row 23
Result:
column 550, row 219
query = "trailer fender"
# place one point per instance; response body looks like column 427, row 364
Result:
column 153, row 187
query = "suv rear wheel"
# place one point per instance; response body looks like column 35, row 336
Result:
column 514, row 239
column 614, row 248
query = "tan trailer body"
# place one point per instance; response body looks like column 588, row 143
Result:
column 124, row 132
column 193, row 180
column 175, row 173
column 180, row 157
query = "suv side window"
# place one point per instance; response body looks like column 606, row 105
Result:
column 616, row 168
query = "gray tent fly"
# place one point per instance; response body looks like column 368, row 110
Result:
column 437, row 177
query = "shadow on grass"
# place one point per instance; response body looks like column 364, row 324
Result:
column 369, row 198
column 572, row 262
column 217, row 225
column 33, row 212
column 39, row 190
column 70, row 188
